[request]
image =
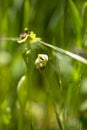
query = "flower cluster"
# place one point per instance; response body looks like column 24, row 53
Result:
column 26, row 35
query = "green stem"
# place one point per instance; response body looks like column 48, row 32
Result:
column 20, row 124
column 25, row 56
column 50, row 98
column 72, row 55
column 58, row 119
column 57, row 72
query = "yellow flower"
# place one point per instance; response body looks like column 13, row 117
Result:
column 33, row 37
column 28, row 35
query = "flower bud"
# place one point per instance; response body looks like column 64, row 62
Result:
column 41, row 61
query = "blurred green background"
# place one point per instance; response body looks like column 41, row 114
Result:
column 53, row 99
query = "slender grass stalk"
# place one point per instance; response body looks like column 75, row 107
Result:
column 70, row 54
column 57, row 73
column 60, row 50
column 58, row 119
column 51, row 100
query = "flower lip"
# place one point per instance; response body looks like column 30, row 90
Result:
column 23, row 35
column 28, row 35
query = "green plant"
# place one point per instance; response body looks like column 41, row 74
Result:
column 33, row 44
column 43, row 86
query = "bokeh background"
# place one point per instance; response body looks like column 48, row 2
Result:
column 56, row 97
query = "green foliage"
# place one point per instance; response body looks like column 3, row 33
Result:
column 22, row 91
column 75, row 20
column 43, row 86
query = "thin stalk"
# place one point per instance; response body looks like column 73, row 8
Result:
column 70, row 54
column 58, row 119
column 9, row 39
column 57, row 73
column 60, row 50
column 50, row 100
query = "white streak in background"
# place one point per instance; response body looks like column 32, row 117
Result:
column 8, row 39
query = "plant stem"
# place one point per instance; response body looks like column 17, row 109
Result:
column 58, row 119
column 20, row 125
column 72, row 55
column 50, row 100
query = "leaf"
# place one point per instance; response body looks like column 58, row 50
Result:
column 84, row 86
column 75, row 17
column 22, row 91
column 26, row 12
column 84, row 14
column 5, row 112
column 84, row 19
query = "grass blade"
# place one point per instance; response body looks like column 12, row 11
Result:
column 70, row 54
